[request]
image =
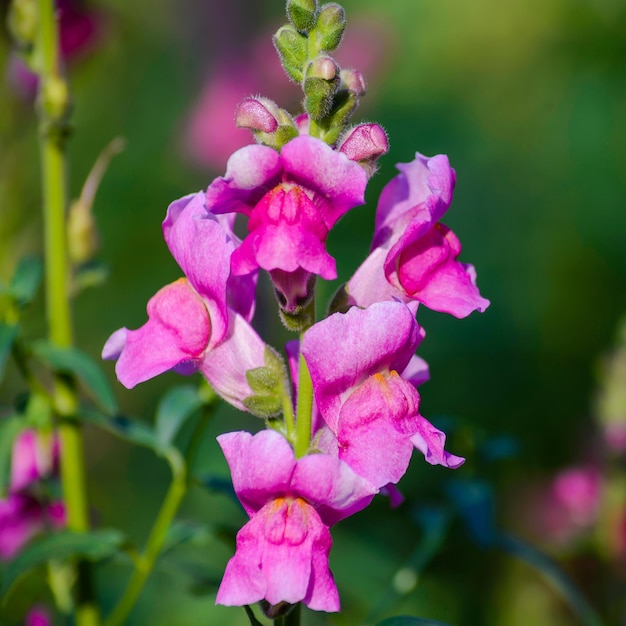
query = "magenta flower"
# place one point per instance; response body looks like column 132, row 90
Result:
column 22, row 515
column 38, row 617
column 282, row 552
column 371, row 410
column 199, row 322
column 414, row 257
column 292, row 199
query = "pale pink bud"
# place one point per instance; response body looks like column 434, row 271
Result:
column 354, row 81
column 255, row 114
column 365, row 142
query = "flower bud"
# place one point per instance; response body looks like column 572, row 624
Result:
column 320, row 86
column 293, row 49
column 365, row 142
column 256, row 114
column 302, row 14
column 331, row 23
column 354, row 81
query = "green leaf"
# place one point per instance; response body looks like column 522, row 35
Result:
column 176, row 407
column 8, row 333
column 76, row 362
column 9, row 430
column 26, row 280
column 184, row 531
column 64, row 545
column 554, row 575
column 138, row 433
column 406, row 620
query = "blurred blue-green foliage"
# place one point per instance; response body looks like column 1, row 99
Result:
column 528, row 101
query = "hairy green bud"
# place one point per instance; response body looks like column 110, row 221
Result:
column 302, row 14
column 293, row 50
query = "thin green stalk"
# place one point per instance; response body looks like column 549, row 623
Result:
column 53, row 106
column 304, row 409
column 145, row 562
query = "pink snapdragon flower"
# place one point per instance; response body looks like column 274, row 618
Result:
column 199, row 322
column 414, row 257
column 282, row 552
column 22, row 515
column 371, row 410
column 292, row 199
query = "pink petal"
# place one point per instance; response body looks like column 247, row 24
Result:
column 261, row 466
column 202, row 249
column 225, row 366
column 345, row 349
column 430, row 442
column 334, row 488
column 338, row 183
column 423, row 184
column 250, row 173
column 177, row 331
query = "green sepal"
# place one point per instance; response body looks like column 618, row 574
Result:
column 329, row 29
column 318, row 97
column 302, row 14
column 268, row 385
column 343, row 106
column 340, row 302
column 277, row 139
column 79, row 364
column 293, row 49
column 95, row 546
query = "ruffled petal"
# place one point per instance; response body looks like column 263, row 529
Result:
column 423, row 267
column 177, row 332
column 334, row 488
column 346, row 348
column 423, row 184
column 250, row 173
column 261, row 466
column 202, row 249
column 337, row 182
column 430, row 442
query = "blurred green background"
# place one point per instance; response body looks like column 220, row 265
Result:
column 528, row 100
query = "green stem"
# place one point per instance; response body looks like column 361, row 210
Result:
column 53, row 107
column 293, row 617
column 304, row 409
column 145, row 562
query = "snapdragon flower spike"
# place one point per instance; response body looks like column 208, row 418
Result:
column 199, row 322
column 282, row 552
column 293, row 199
column 372, row 412
column 414, row 257
column 22, row 515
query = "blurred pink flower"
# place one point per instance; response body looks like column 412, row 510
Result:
column 22, row 515
column 38, row 617
column 80, row 30
column 570, row 504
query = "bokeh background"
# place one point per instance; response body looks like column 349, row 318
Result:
column 528, row 100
